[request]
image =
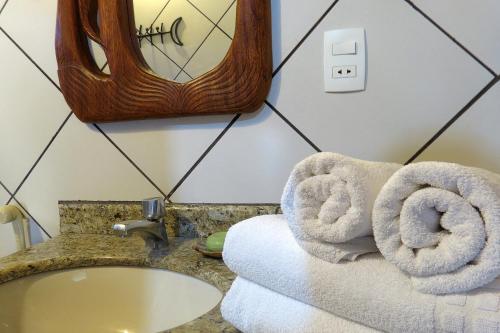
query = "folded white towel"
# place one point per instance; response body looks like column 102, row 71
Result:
column 440, row 223
column 328, row 201
column 255, row 309
column 370, row 290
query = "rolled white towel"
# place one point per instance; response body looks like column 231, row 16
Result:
column 440, row 223
column 328, row 201
column 255, row 309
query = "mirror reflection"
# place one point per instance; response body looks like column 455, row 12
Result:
column 184, row 39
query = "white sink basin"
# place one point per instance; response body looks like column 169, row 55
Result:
column 103, row 299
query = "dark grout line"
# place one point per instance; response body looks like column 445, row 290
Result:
column 32, row 218
column 3, row 7
column 302, row 135
column 421, row 12
column 224, row 32
column 41, row 155
column 159, row 14
column 30, row 59
column 20, row 205
column 205, row 153
column 208, row 18
column 195, row 51
column 103, row 66
column 6, row 190
column 204, row 40
column 455, row 118
column 130, row 160
column 166, row 55
column 315, row 25
column 183, row 71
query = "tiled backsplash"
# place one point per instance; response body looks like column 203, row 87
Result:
column 430, row 94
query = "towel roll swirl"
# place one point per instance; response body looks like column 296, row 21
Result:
column 440, row 223
column 328, row 201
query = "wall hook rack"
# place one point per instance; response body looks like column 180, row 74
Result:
column 151, row 32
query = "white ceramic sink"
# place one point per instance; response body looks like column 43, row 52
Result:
column 103, row 299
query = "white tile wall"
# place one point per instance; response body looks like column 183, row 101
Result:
column 166, row 148
column 194, row 29
column 4, row 196
column 204, row 45
column 206, row 57
column 407, row 97
column 470, row 23
column 474, row 139
column 227, row 23
column 80, row 164
column 32, row 109
column 249, row 164
column 32, row 24
column 418, row 79
column 7, row 238
column 292, row 19
column 213, row 9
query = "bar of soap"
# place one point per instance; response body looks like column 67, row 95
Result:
column 215, row 242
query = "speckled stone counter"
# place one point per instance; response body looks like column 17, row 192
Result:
column 84, row 250
column 182, row 220
column 87, row 240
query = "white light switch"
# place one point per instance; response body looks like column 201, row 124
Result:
column 344, row 60
column 344, row 48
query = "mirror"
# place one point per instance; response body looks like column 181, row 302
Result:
column 206, row 71
column 184, row 39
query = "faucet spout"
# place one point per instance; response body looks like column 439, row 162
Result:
column 152, row 228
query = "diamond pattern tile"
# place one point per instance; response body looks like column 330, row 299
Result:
column 476, row 25
column 159, row 61
column 228, row 22
column 36, row 233
column 80, row 165
column 291, row 21
column 250, row 164
column 4, row 196
column 32, row 24
column 473, row 138
column 193, row 29
column 7, row 239
column 165, row 149
column 407, row 99
column 183, row 77
column 98, row 53
column 32, row 109
column 145, row 11
column 210, row 54
column 214, row 9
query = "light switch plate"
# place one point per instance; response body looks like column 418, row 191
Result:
column 352, row 78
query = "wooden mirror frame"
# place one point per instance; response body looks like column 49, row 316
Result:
column 239, row 84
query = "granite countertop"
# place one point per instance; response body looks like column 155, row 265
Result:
column 84, row 250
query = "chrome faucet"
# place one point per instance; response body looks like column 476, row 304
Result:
column 152, row 227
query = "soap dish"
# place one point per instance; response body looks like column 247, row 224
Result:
column 201, row 247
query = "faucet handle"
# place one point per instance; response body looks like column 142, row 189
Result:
column 153, row 208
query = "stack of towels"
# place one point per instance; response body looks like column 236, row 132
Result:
column 371, row 247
